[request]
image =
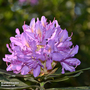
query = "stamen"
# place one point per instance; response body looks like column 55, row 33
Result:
column 7, row 63
column 24, row 25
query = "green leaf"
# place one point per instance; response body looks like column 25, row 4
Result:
column 13, row 83
column 20, row 87
column 57, row 74
column 62, row 77
column 77, row 74
column 3, row 78
column 9, row 73
column 72, row 88
column 31, row 79
column 58, row 80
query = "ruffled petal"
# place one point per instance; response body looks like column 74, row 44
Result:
column 16, row 41
column 67, row 67
column 73, row 61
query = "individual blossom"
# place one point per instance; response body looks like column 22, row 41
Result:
column 39, row 47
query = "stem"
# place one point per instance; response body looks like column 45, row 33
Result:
column 42, row 86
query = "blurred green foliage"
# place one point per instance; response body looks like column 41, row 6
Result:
column 74, row 15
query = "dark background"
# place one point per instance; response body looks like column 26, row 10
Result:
column 74, row 15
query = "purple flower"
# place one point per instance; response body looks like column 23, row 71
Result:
column 39, row 47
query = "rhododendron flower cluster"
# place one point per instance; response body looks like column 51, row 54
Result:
column 39, row 47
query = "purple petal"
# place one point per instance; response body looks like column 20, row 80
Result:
column 16, row 41
column 8, row 58
column 51, row 43
column 63, row 35
column 32, row 25
column 18, row 67
column 26, row 27
column 57, row 56
column 9, row 68
column 16, row 72
column 14, row 67
column 39, row 29
column 57, row 25
column 49, row 33
column 48, row 64
column 65, row 44
column 9, row 49
column 43, row 20
column 67, row 67
column 55, row 34
column 73, row 61
column 17, row 31
column 25, row 70
column 30, row 35
column 36, row 71
column 25, row 39
column 74, row 51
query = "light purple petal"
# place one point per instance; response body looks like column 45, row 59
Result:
column 30, row 35
column 36, row 71
column 73, row 61
column 18, row 67
column 32, row 25
column 17, row 31
column 25, row 27
column 24, row 39
column 67, row 67
column 9, row 49
column 8, row 57
column 65, row 44
column 25, row 70
column 55, row 34
column 63, row 35
column 57, row 56
column 39, row 30
column 16, row 72
column 9, row 68
column 48, row 64
column 49, row 33
column 74, row 51
column 43, row 20
column 57, row 25
column 16, row 41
